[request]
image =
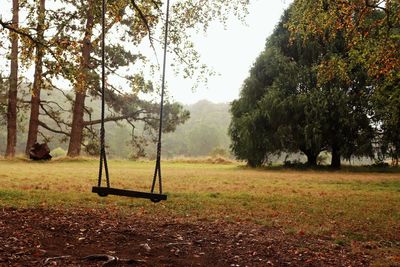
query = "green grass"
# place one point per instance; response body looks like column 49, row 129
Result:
column 343, row 205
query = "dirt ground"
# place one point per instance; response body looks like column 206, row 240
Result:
column 40, row 237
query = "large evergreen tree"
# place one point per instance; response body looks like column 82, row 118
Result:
column 13, row 90
column 371, row 32
column 37, row 79
column 286, row 107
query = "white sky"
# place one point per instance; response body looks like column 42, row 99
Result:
column 230, row 53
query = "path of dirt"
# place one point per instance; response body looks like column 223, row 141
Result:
column 37, row 237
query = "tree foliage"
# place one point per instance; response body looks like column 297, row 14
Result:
column 371, row 33
column 68, row 38
column 287, row 106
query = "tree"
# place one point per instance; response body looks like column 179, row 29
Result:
column 147, row 14
column 248, row 140
column 13, row 90
column 252, row 127
column 3, row 108
column 72, row 53
column 371, row 33
column 81, row 85
column 205, row 131
column 268, row 118
column 370, row 28
column 31, row 33
column 285, row 105
column 387, row 119
column 38, row 79
column 3, row 100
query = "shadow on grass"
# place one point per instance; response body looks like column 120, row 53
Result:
column 343, row 168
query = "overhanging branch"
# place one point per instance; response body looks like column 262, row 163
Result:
column 117, row 118
column 9, row 27
column 45, row 126
column 146, row 24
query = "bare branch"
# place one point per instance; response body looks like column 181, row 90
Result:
column 55, row 103
column 45, row 138
column 55, row 87
column 156, row 4
column 108, row 119
column 146, row 24
column 45, row 126
column 55, row 119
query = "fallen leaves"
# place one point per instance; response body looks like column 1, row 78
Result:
column 33, row 237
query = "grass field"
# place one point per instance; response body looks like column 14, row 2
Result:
column 346, row 206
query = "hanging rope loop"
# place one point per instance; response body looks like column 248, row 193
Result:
column 157, row 170
column 104, row 191
column 103, row 155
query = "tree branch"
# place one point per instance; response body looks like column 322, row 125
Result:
column 146, row 24
column 50, row 115
column 108, row 119
column 45, row 126
column 9, row 27
column 377, row 6
column 55, row 103
column 59, row 89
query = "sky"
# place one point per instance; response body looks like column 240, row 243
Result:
column 230, row 53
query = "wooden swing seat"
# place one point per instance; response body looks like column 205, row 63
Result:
column 105, row 191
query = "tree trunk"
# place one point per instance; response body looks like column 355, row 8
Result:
column 74, row 148
column 37, row 82
column 335, row 162
column 311, row 158
column 12, row 93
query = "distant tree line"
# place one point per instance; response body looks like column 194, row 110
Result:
column 204, row 134
column 328, row 80
column 61, row 42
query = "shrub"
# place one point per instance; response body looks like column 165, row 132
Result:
column 219, row 152
column 58, row 152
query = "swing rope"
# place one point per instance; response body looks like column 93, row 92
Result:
column 157, row 169
column 103, row 155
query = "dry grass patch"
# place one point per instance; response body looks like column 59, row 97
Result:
column 345, row 206
column 203, row 160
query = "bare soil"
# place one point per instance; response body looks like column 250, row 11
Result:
column 64, row 237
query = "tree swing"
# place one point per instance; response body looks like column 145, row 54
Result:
column 108, row 190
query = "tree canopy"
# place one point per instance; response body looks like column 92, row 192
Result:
column 61, row 41
column 309, row 92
